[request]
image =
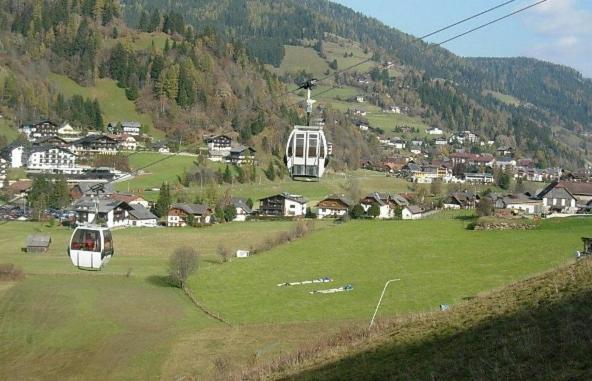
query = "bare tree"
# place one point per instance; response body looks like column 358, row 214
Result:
column 223, row 252
column 182, row 264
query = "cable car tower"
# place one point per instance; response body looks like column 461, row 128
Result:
column 91, row 243
column 306, row 151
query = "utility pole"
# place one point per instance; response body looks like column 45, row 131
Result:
column 380, row 300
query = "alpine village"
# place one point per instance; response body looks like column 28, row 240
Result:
column 282, row 189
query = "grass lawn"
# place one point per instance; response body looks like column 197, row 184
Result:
column 154, row 175
column 337, row 51
column 140, row 41
column 504, row 98
column 61, row 322
column 298, row 58
column 438, row 262
column 114, row 104
column 388, row 122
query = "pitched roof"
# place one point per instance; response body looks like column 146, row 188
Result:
column 346, row 201
column 241, row 203
column 197, row 209
column 414, row 209
column 38, row 240
column 20, row 186
column 104, row 205
column 292, row 197
column 241, row 149
column 131, row 123
column 127, row 197
column 45, row 148
column 139, row 212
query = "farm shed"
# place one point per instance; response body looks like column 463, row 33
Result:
column 38, row 243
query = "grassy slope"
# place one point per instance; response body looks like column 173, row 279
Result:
column 47, row 316
column 438, row 262
column 536, row 329
column 140, row 41
column 298, row 58
column 504, row 98
column 114, row 103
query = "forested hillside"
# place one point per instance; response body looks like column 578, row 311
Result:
column 550, row 96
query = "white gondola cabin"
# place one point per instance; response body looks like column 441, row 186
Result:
column 91, row 247
column 306, row 152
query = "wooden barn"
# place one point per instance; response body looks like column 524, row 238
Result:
column 38, row 243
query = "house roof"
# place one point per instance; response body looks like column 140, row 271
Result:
column 139, row 212
column 414, row 209
column 45, row 148
column 292, row 197
column 127, row 197
column 211, row 138
column 131, row 123
column 241, row 149
column 241, row 203
column 341, row 198
column 104, row 205
column 38, row 240
column 20, row 186
column 579, row 189
column 42, row 141
column 93, row 138
column 196, row 209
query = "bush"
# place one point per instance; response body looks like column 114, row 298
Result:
column 182, row 264
column 357, row 211
column 9, row 272
column 223, row 252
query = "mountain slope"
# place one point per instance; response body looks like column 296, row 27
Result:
column 535, row 329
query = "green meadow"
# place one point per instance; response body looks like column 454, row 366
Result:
column 125, row 322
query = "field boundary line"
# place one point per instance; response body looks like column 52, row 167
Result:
column 203, row 308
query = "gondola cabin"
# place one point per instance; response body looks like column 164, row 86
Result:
column 306, row 152
column 91, row 247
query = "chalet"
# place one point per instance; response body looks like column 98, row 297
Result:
column 55, row 141
column 412, row 212
column 181, row 213
column 505, row 162
column 505, row 151
column 51, row 159
column 130, row 198
column 430, row 173
column 20, row 188
column 241, row 155
column 102, row 210
column 126, row 142
column 434, row 131
column 36, row 130
column 242, row 209
column 131, row 128
column 441, row 141
column 140, row 216
column 565, row 196
column 283, row 204
column 385, row 202
column 14, row 154
column 91, row 189
column 359, row 98
column 66, row 131
column 218, row 143
column 333, row 206
column 398, row 143
column 467, row 137
column 460, row 200
column 94, row 144
column 416, row 142
column 161, row 147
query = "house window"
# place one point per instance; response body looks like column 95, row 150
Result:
column 562, row 202
column 554, row 201
column 292, row 206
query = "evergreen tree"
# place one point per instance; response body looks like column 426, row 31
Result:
column 374, row 210
column 227, row 177
column 164, row 201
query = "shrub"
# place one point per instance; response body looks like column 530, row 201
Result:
column 223, row 252
column 182, row 264
column 9, row 272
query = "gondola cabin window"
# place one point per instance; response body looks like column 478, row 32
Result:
column 312, row 145
column 299, row 145
column 108, row 241
column 87, row 240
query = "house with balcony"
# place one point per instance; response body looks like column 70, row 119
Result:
column 53, row 160
column 40, row 129
column 94, row 145
column 283, row 205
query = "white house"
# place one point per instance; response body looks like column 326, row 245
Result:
column 283, row 204
column 434, row 131
column 484, row 178
column 386, row 204
column 66, row 131
column 505, row 162
column 359, row 99
column 524, row 204
column 127, row 143
column 50, row 159
column 112, row 213
column 412, row 212
column 398, row 143
column 333, row 206
column 139, row 216
column 131, row 128
column 242, row 209
column 441, row 141
column 14, row 154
